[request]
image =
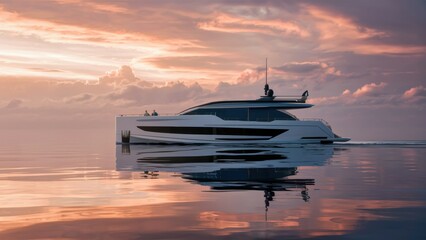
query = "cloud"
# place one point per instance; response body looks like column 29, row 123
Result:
column 172, row 92
column 14, row 103
column 37, row 69
column 103, row 7
column 371, row 89
column 79, row 98
column 402, row 22
column 415, row 95
column 238, row 24
column 339, row 32
column 121, row 77
column 418, row 91
column 291, row 71
column 368, row 95
column 50, row 103
column 306, row 73
column 335, row 26
column 54, row 32
column 299, row 67
column 207, row 62
column 251, row 75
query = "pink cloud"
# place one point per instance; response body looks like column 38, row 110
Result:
column 251, row 75
column 370, row 89
column 346, row 92
column 418, row 91
column 226, row 23
column 416, row 96
column 368, row 95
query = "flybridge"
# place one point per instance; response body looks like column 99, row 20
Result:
column 251, row 104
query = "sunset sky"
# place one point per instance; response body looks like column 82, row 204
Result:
column 78, row 63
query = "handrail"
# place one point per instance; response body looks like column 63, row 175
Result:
column 142, row 115
column 295, row 97
column 289, row 96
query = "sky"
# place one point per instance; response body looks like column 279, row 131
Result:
column 76, row 64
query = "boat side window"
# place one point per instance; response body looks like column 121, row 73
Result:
column 268, row 114
column 236, row 114
column 244, row 114
column 201, row 112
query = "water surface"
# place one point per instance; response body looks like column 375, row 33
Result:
column 80, row 185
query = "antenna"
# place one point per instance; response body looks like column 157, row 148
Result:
column 266, row 79
column 266, row 70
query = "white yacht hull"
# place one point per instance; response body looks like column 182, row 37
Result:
column 207, row 129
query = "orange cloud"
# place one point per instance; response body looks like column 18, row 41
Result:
column 106, row 7
column 56, row 48
column 65, row 33
column 334, row 27
column 119, row 78
column 340, row 33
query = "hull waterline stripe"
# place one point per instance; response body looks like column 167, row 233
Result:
column 215, row 131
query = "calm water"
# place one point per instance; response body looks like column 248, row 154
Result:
column 80, row 185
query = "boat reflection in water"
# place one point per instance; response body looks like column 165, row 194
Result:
column 268, row 169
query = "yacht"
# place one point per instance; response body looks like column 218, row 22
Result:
column 262, row 121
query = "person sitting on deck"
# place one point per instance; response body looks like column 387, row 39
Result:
column 305, row 96
column 154, row 113
column 146, row 114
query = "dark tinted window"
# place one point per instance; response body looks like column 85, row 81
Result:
column 267, row 115
column 239, row 114
column 244, row 114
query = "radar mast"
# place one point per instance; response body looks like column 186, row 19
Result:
column 268, row 92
